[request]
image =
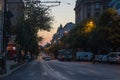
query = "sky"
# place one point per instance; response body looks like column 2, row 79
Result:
column 62, row 15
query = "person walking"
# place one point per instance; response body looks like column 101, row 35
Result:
column 29, row 57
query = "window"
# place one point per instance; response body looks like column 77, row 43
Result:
column 97, row 6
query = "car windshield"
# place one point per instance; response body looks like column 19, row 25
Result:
column 59, row 39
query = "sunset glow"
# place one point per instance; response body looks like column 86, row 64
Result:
column 62, row 15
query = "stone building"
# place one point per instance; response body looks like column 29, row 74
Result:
column 1, row 23
column 61, row 32
column 17, row 9
column 89, row 9
column 115, row 4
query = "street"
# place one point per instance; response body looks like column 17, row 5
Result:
column 56, row 70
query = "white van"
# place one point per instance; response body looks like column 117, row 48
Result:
column 114, row 57
column 87, row 56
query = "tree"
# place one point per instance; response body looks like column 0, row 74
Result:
column 78, row 36
column 106, row 35
column 36, row 18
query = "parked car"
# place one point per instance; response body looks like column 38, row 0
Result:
column 114, row 57
column 84, row 56
column 47, row 58
column 65, row 55
column 105, row 58
column 98, row 58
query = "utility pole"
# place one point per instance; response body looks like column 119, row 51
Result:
column 2, row 53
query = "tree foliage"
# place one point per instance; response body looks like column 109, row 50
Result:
column 106, row 34
column 103, row 34
column 78, row 36
column 35, row 18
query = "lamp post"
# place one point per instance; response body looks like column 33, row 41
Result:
column 4, row 25
column 3, row 39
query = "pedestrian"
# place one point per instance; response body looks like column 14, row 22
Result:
column 23, row 56
column 29, row 57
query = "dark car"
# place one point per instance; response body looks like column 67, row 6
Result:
column 47, row 58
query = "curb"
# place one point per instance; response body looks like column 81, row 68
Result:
column 11, row 71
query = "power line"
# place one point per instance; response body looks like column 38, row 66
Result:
column 37, row 2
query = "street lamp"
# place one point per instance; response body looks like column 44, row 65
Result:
column 91, row 23
column 89, row 26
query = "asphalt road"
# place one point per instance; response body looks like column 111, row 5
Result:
column 56, row 70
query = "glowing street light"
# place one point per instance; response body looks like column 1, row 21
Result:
column 89, row 26
column 91, row 23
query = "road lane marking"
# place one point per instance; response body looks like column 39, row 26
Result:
column 53, row 73
column 94, row 72
column 60, row 77
column 49, row 67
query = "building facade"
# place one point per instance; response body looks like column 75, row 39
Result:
column 115, row 4
column 1, row 24
column 17, row 9
column 89, row 9
column 61, row 32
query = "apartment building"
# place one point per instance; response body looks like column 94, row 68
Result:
column 61, row 31
column 17, row 9
column 89, row 9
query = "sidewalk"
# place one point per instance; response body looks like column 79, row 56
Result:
column 11, row 66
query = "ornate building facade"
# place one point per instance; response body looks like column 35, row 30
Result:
column 17, row 9
column 89, row 9
column 115, row 4
column 61, row 31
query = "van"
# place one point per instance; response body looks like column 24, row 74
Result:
column 114, row 57
column 84, row 56
column 65, row 55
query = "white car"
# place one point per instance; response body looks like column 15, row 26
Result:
column 114, row 57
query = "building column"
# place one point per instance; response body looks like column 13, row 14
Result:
column 92, row 9
column 81, row 10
